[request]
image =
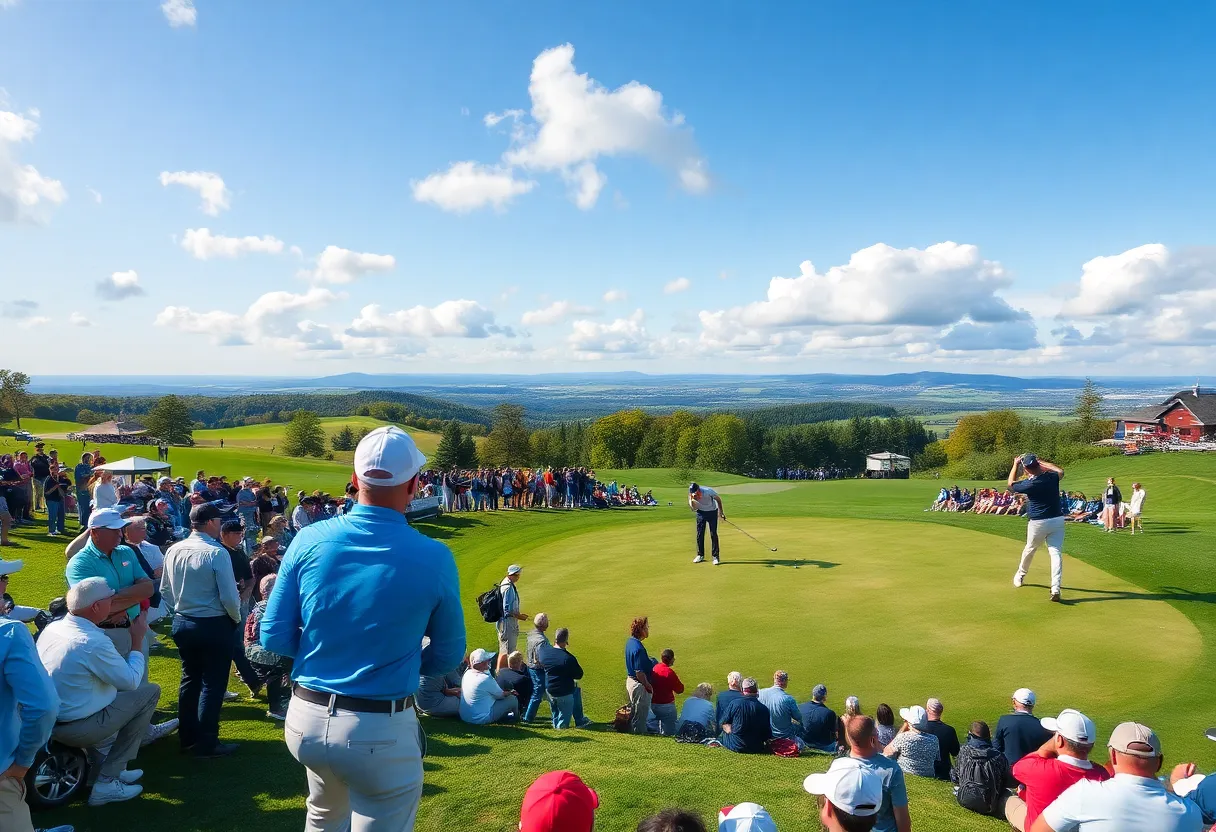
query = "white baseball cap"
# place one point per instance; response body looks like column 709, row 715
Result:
column 8, row 567
column 514, row 569
column 1072, row 725
column 915, row 715
column 1024, row 696
column 746, row 817
column 479, row 655
column 88, row 592
column 107, row 518
column 163, row 480
column 850, row 786
column 387, row 456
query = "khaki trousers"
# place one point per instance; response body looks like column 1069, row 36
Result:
column 364, row 770
column 639, row 699
column 127, row 716
column 14, row 814
column 1015, row 813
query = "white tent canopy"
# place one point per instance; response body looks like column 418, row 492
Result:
column 134, row 466
column 887, row 461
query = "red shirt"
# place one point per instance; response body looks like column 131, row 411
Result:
column 1045, row 779
column 666, row 685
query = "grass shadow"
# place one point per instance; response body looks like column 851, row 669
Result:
column 795, row 562
column 447, row 526
column 1168, row 594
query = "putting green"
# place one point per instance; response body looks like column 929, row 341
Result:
column 881, row 609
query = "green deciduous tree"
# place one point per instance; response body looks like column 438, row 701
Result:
column 169, row 420
column 616, row 437
column 14, row 394
column 722, row 444
column 304, row 435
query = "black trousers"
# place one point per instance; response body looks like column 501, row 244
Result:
column 205, row 648
column 707, row 518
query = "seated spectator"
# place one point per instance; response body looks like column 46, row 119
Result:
column 849, row 796
column 1045, row 773
column 746, row 817
column 1019, row 733
column 514, row 678
column 1198, row 789
column 734, row 683
column 893, row 812
column 101, row 694
column 885, row 717
column 981, row 775
column 947, row 738
column 699, row 709
column 482, row 701
column 666, row 685
column 562, row 672
column 270, row 669
column 784, row 717
column 1134, row 799
column 914, row 748
column 558, row 802
column 746, row 724
column 439, row 695
column 672, row 820
column 819, row 722
column 852, row 710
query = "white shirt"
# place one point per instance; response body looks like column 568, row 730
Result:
column 697, row 709
column 1137, row 500
column 300, row 518
column 105, row 495
column 86, row 667
column 478, row 693
column 706, row 501
column 1125, row 803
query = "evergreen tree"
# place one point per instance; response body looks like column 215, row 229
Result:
column 468, row 452
column 344, row 440
column 447, row 455
column 1092, row 425
column 169, row 421
column 304, row 435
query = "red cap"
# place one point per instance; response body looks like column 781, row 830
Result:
column 558, row 802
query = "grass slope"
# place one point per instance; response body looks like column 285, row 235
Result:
column 268, row 436
column 888, row 603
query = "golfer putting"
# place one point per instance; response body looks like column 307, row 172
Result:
column 1045, row 516
column 708, row 507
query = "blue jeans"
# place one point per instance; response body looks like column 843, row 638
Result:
column 205, row 648
column 662, row 719
column 538, row 693
column 82, row 506
column 54, row 516
column 563, row 710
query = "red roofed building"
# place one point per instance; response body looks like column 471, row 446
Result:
column 1190, row 416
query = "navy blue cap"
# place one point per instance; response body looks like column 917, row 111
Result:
column 693, row 488
column 1029, row 459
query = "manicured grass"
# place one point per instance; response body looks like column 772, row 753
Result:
column 271, row 435
column 40, row 427
column 888, row 602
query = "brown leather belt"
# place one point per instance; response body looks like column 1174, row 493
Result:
column 353, row 703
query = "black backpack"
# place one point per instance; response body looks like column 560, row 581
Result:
column 490, row 604
column 982, row 774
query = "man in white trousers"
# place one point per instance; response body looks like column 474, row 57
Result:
column 1045, row 515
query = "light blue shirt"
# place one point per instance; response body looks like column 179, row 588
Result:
column 1124, row 803
column 784, row 716
column 354, row 598
column 894, row 789
column 28, row 703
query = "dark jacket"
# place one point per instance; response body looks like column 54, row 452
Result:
column 750, row 726
column 561, row 670
column 1017, row 734
column 982, row 774
column 947, row 747
column 818, row 723
column 724, row 699
column 517, row 682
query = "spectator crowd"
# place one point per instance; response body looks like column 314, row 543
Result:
column 494, row 489
column 827, row 472
column 1107, row 510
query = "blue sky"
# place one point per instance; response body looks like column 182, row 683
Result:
column 1021, row 189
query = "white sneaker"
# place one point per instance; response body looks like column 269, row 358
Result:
column 159, row 732
column 1018, row 579
column 114, row 791
column 699, row 559
column 716, row 561
column 131, row 776
column 230, row 696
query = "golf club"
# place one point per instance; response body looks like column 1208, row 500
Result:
column 770, row 548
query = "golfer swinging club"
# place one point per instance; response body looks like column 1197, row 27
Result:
column 1045, row 516
column 708, row 506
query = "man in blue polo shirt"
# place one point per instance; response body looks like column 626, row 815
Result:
column 355, row 597
column 1045, row 519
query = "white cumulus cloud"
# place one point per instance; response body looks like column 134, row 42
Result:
column 467, row 186
column 204, row 245
column 450, row 319
column 79, row 319
column 623, row 337
column 179, row 12
column 273, row 320
column 210, row 187
column 585, row 183
column 555, row 313
column 615, row 296
column 119, row 286
column 341, row 265
column 680, row 284
column 25, row 194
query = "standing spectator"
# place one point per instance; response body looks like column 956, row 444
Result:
column 354, row 599
column 893, row 813
column 300, row 516
column 22, row 466
column 28, row 705
column 734, row 685
column 1112, row 499
column 1019, row 733
column 54, row 489
column 562, row 672
column 1045, row 773
column 1134, row 799
column 508, row 625
column 819, row 723
column 536, row 669
column 233, row 538
column 1136, row 507
column 947, row 738
column 40, row 469
column 12, row 491
column 783, row 710
column 199, row 585
column 885, row 717
column 247, row 508
column 746, row 725
column 82, row 473
column 850, row 795
column 914, row 747
column 981, row 775
column 271, row 669
column 667, row 684
column 638, row 670
column 105, row 493
column 482, row 700
column 558, row 802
